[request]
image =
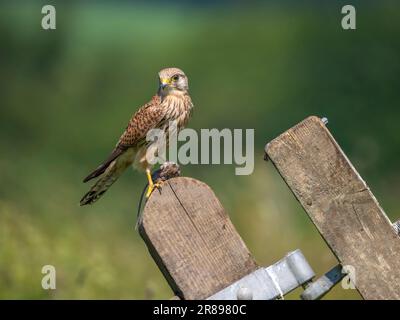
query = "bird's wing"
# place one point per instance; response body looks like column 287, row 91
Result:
column 148, row 117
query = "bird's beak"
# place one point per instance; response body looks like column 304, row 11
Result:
column 164, row 83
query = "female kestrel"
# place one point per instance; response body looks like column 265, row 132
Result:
column 171, row 103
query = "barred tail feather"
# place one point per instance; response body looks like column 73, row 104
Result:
column 103, row 167
column 110, row 175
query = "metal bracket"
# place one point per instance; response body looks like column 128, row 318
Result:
column 320, row 287
column 272, row 282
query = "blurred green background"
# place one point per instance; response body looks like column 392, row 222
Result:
column 66, row 96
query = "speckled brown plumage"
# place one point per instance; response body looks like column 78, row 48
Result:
column 146, row 118
column 171, row 103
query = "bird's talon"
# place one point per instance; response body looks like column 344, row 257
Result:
column 158, row 186
column 151, row 188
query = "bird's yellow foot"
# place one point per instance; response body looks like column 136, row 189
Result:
column 152, row 185
column 151, row 188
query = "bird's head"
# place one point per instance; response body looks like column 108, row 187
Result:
column 172, row 80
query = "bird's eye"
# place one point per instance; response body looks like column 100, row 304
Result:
column 175, row 77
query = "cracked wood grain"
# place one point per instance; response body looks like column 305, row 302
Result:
column 192, row 239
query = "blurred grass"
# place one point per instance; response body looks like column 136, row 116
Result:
column 66, row 96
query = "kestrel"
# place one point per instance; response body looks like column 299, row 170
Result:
column 171, row 103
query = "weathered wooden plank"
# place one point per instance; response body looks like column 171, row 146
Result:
column 192, row 239
column 341, row 206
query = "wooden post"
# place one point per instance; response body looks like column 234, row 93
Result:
column 192, row 239
column 341, row 206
